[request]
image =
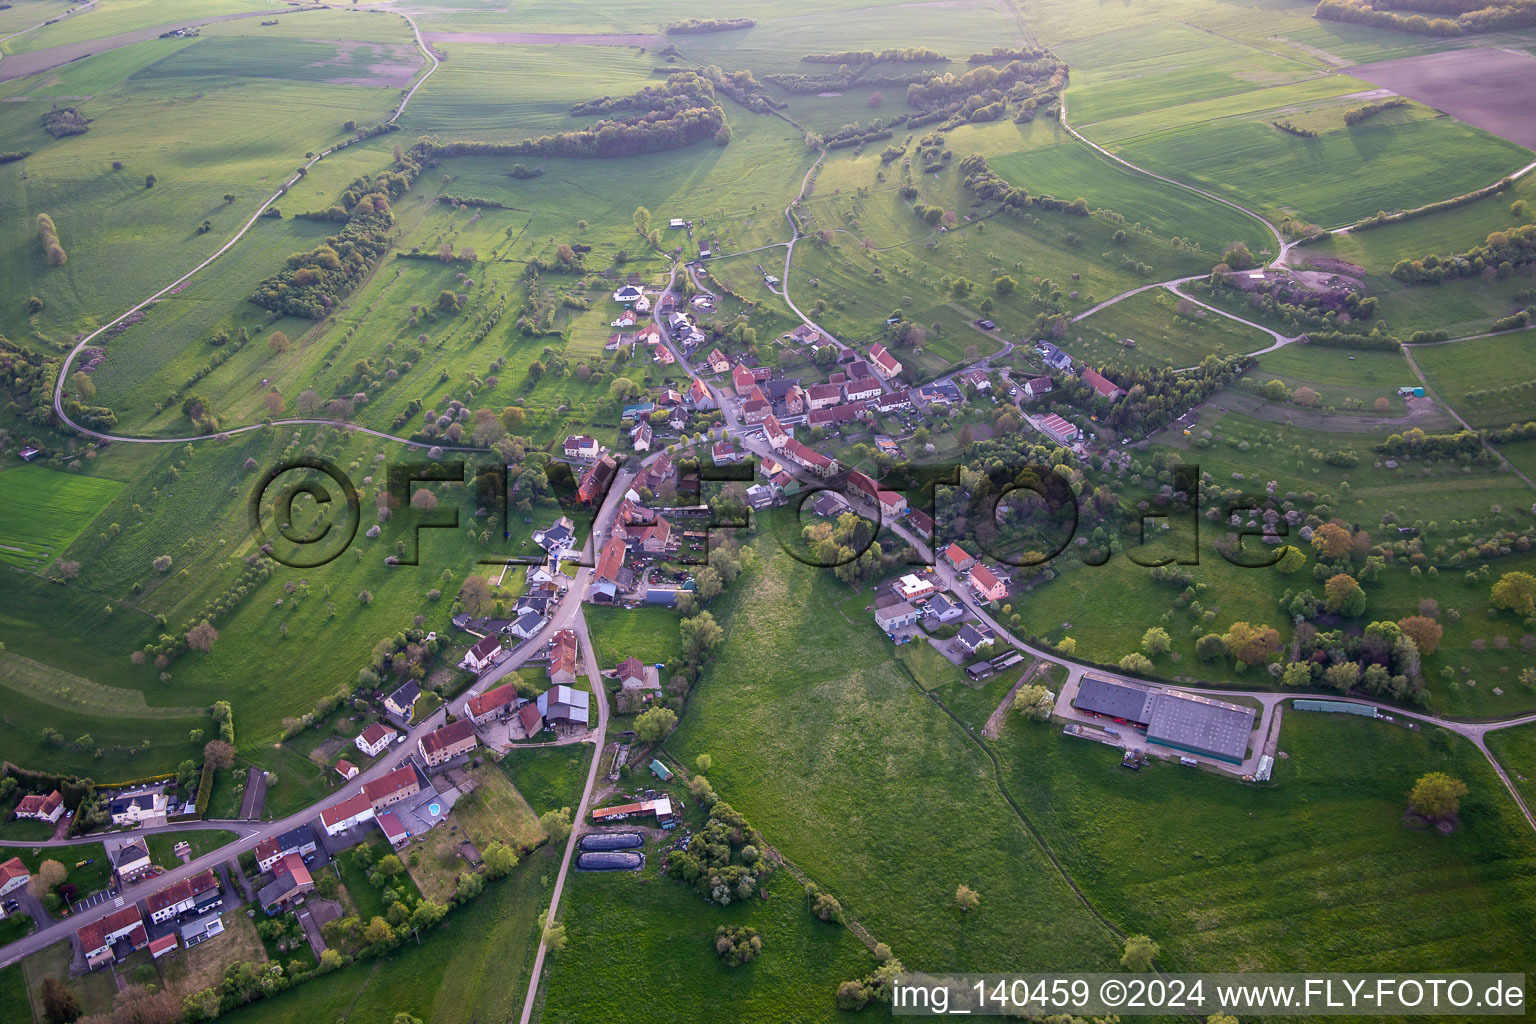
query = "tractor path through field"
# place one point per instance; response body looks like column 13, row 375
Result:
column 1285, row 247
column 180, row 282
column 995, row 719
column 1430, row 391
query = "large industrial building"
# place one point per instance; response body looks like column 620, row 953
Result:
column 1182, row 721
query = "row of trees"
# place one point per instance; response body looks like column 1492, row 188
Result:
column 653, row 132
column 1500, row 16
column 49, row 235
column 1502, row 251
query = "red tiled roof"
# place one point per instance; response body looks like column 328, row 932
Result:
column 1100, row 383
column 485, row 646
column 163, row 943
column 983, row 578
column 376, row 732
column 94, row 935
column 348, row 808
column 448, row 736
column 37, row 804
column 529, row 716
column 391, row 824
column 957, row 554
column 12, row 869
column 401, row 778
column 490, row 700
column 611, row 560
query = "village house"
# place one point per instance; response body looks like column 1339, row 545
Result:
column 829, row 504
column 299, row 840
column 131, row 861
column 718, row 361
column 198, row 894
column 891, row 401
column 449, row 742
column 114, row 937
column 977, row 379
column 986, row 584
column 558, row 538
column 628, row 293
column 492, row 704
column 940, row 394
column 973, row 638
column 958, row 558
column 349, row 813
column 885, row 365
column 699, row 395
column 13, row 875
column 860, row 388
column 486, row 652
column 291, row 881
column 663, row 355
column 805, row 335
column 943, row 608
column 393, row 828
column 796, row 401
column 1054, row 357
column 814, row 461
column 837, row 415
column 724, row 453
column 400, row 784
column 347, row 770
column 562, row 659
column 921, row 523
column 1102, row 386
column 133, row 808
column 375, row 739
column 580, row 446
column 628, row 318
column 403, row 701
column 892, row 504
column 1037, row 386
column 43, row 808
column 774, row 433
column 640, row 437
column 594, row 482
column 896, row 616
column 823, row 396
column 633, row 674
column 913, row 587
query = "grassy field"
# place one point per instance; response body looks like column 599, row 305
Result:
column 649, row 634
column 87, row 864
column 1163, row 336
column 93, row 992
column 1239, row 883
column 1459, row 371
column 14, row 1004
column 43, row 510
column 548, row 777
column 162, row 845
column 801, row 750
column 1516, row 751
column 660, row 935
column 473, row 967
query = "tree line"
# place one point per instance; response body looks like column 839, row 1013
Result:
column 890, row 55
column 699, row 26
column 1370, row 110
column 1501, row 250
column 49, row 235
column 313, row 282
column 654, row 132
column 1465, row 15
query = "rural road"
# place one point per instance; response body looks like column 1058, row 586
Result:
column 59, row 385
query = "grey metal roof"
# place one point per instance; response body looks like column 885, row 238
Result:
column 1192, row 722
column 610, row 841
column 1117, row 700
column 609, row 861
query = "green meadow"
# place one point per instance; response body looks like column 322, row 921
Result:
column 1460, row 374
column 42, row 510
column 1163, row 335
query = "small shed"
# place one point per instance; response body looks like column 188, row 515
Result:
column 661, row 771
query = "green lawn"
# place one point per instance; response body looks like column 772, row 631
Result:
column 1516, row 751
column 42, row 510
column 850, row 746
column 647, row 633
column 473, row 967
column 660, row 935
column 162, row 845
column 1459, row 374
column 1163, row 335
column 548, row 777
column 87, row 863
column 1314, row 872
column 14, row 1004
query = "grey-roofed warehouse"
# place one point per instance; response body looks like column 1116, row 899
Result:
column 1183, row 721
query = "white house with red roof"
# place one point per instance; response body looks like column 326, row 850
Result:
column 375, row 739
column 44, row 808
column 486, row 652
column 13, row 875
column 1102, row 386
column 113, row 937
column 884, row 364
column 354, row 810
